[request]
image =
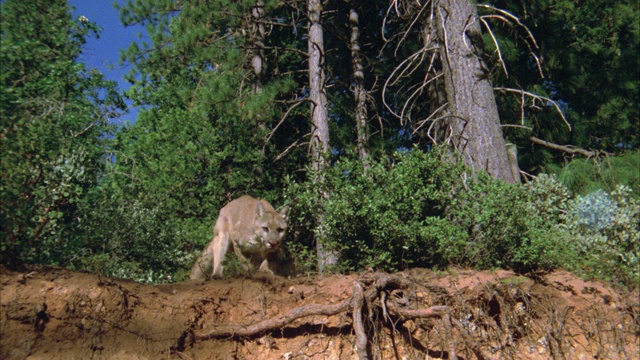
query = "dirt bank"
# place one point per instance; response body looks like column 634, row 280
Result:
column 52, row 313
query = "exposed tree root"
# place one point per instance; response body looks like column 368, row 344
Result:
column 377, row 288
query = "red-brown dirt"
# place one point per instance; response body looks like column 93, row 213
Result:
column 53, row 313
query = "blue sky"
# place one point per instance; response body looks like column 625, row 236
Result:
column 103, row 54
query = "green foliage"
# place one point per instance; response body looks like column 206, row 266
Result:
column 598, row 231
column 549, row 197
column 503, row 228
column 163, row 193
column 583, row 176
column 198, row 143
column 606, row 230
column 138, row 237
column 589, row 64
column 140, row 202
column 53, row 115
column 388, row 218
column 416, row 209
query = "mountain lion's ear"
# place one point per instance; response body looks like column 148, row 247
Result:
column 259, row 209
column 284, row 212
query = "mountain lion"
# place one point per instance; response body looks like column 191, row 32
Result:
column 252, row 227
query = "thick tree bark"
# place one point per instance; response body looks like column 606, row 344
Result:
column 319, row 145
column 359, row 90
column 472, row 111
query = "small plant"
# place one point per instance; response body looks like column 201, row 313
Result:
column 606, row 233
column 513, row 280
column 549, row 197
column 594, row 211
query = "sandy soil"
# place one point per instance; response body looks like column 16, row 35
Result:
column 53, row 313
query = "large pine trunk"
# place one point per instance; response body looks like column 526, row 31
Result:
column 472, row 111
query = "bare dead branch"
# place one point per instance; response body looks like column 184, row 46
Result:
column 514, row 18
column 415, row 93
column 381, row 283
column 409, row 314
column 378, row 286
column 405, row 64
column 542, row 99
column 495, row 42
column 406, row 32
column 289, row 148
column 564, row 148
column 431, row 119
column 517, row 126
column 240, row 331
column 282, row 119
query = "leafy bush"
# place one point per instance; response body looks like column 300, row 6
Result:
column 599, row 231
column 53, row 116
column 138, row 236
column 504, row 228
column 549, row 197
column 384, row 219
column 605, row 229
column 420, row 209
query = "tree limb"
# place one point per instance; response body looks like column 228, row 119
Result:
column 564, row 148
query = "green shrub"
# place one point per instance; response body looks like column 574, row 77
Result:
column 419, row 209
column 138, row 239
column 504, row 228
column 387, row 219
column 605, row 229
column 599, row 231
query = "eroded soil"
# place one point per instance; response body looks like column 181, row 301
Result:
column 53, row 313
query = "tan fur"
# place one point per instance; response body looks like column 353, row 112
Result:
column 252, row 227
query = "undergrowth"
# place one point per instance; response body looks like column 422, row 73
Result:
column 419, row 209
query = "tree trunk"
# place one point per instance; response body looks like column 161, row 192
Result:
column 256, row 44
column 359, row 91
column 319, row 145
column 472, row 111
